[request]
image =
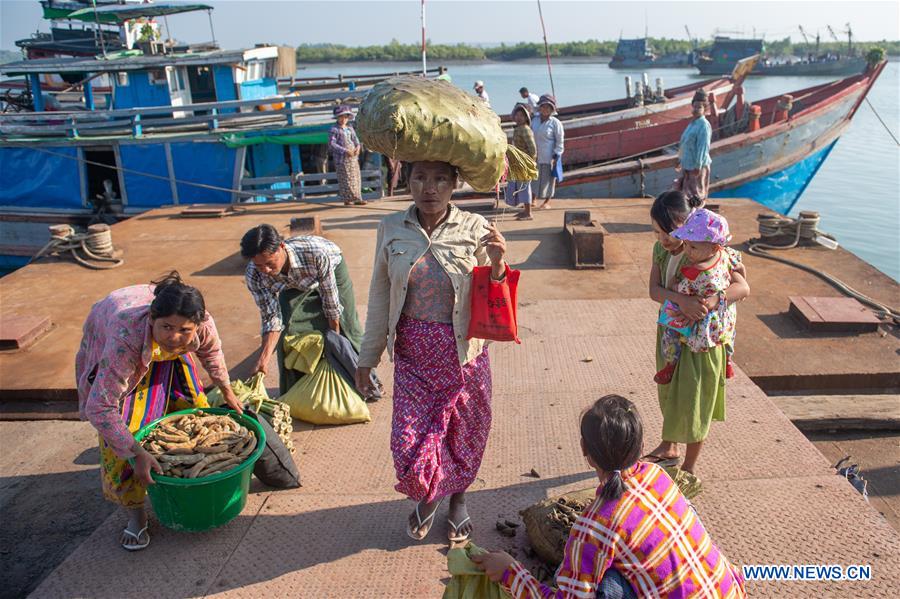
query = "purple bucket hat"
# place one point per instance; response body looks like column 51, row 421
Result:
column 704, row 226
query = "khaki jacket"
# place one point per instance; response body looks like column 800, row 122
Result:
column 401, row 242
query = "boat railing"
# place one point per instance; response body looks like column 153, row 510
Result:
column 317, row 187
column 207, row 117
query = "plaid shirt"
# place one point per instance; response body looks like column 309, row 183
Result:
column 651, row 536
column 311, row 263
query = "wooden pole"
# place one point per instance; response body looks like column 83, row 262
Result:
column 546, row 51
column 424, row 62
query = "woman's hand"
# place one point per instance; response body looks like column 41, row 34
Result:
column 692, row 307
column 495, row 244
column 335, row 325
column 231, row 399
column 143, row 464
column 494, row 563
column 364, row 380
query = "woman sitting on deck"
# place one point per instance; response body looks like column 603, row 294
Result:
column 134, row 366
column 640, row 536
column 419, row 311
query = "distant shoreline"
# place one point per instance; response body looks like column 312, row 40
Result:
column 433, row 63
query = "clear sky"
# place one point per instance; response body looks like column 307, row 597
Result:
column 240, row 23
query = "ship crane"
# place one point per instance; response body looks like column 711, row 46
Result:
column 806, row 38
column 849, row 33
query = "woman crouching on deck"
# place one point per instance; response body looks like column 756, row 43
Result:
column 134, row 366
column 419, row 311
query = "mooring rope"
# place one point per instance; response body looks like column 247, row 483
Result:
column 806, row 227
column 96, row 245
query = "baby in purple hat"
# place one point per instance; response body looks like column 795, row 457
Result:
column 705, row 273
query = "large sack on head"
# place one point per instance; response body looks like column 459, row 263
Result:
column 415, row 119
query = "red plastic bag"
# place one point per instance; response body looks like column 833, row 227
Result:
column 494, row 306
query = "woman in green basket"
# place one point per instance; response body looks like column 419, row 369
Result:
column 135, row 364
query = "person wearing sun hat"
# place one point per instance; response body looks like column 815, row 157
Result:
column 482, row 93
column 519, row 192
column 345, row 149
column 693, row 150
column 549, row 137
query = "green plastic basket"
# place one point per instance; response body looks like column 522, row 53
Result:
column 196, row 504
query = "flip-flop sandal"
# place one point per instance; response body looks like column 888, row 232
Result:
column 454, row 536
column 360, row 203
column 137, row 545
column 660, row 461
column 429, row 521
column 524, row 217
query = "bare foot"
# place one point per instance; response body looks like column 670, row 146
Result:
column 458, row 519
column 422, row 518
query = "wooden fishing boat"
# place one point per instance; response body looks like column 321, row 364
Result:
column 615, row 129
column 772, row 165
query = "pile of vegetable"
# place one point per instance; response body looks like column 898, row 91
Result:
column 197, row 444
column 253, row 394
column 278, row 414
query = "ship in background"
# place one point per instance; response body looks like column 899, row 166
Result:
column 639, row 54
column 725, row 52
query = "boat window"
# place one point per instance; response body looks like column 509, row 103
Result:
column 157, row 77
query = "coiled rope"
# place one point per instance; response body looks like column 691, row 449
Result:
column 806, row 227
column 96, row 245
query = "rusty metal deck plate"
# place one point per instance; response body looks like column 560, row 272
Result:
column 833, row 315
column 19, row 332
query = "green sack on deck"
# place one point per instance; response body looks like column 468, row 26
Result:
column 252, row 391
column 416, row 119
column 324, row 397
column 303, row 352
column 468, row 582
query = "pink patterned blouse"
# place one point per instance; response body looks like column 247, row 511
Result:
column 430, row 295
column 116, row 349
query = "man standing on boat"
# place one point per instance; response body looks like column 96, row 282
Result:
column 482, row 93
column 549, row 137
column 693, row 151
column 531, row 100
column 300, row 285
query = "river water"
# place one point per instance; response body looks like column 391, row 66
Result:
column 856, row 191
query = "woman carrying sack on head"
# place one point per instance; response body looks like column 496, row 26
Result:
column 345, row 149
column 134, row 366
column 419, row 298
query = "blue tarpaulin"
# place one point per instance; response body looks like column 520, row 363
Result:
column 145, row 192
column 32, row 178
column 207, row 163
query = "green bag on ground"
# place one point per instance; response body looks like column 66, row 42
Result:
column 415, row 119
column 324, row 397
column 468, row 582
column 253, row 391
column 302, row 352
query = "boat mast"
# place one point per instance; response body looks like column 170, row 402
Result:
column 424, row 62
column 99, row 31
column 546, row 50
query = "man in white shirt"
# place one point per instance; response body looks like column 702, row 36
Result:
column 482, row 93
column 531, row 100
column 548, row 137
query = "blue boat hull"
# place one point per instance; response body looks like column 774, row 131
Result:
column 780, row 190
